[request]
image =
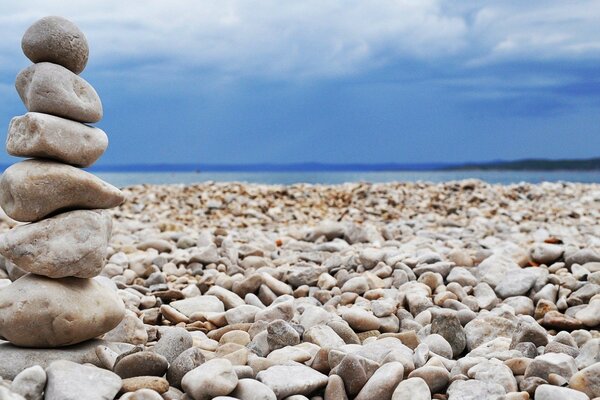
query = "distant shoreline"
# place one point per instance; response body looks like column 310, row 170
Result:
column 592, row 164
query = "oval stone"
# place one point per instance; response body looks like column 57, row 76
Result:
column 56, row 40
column 36, row 311
column 32, row 189
column 46, row 136
column 70, row 244
column 51, row 89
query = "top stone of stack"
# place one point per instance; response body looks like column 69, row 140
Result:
column 56, row 40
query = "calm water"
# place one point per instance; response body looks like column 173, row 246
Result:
column 504, row 177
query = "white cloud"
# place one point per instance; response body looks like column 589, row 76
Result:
column 309, row 38
column 268, row 37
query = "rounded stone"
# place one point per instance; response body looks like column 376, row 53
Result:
column 211, row 379
column 46, row 136
column 173, row 342
column 32, row 189
column 37, row 311
column 159, row 385
column 51, row 89
column 184, row 363
column 141, row 363
column 56, row 40
column 70, row 244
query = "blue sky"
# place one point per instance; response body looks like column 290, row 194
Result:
column 353, row 81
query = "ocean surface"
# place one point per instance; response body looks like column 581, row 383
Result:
column 503, row 177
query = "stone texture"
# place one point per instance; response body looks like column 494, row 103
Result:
column 412, row 389
column 287, row 380
column 448, row 326
column 184, row 363
column 173, row 342
column 131, row 329
column 47, row 136
column 30, row 383
column 36, row 311
column 155, row 383
column 70, row 381
column 211, row 379
column 383, row 382
column 250, row 389
column 32, row 189
column 51, row 89
column 15, row 359
column 473, row 390
column 57, row 40
column 587, row 380
column 555, row 363
column 70, row 244
column 551, row 392
column 141, row 363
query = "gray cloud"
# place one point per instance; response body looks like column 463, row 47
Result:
column 309, row 38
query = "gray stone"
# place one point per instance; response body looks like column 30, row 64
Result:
column 46, row 136
column 552, row 363
column 184, row 363
column 211, row 379
column 551, row 392
column 412, row 389
column 250, row 389
column 488, row 327
column 383, row 382
column 447, row 325
column 475, row 390
column 51, row 89
column 516, row 283
column 281, row 334
column 587, row 380
column 192, row 305
column 140, row 363
column 131, row 330
column 528, row 330
column 70, row 244
column 287, row 380
column 15, row 359
column 36, row 311
column 56, row 40
column 70, row 381
column 173, row 342
column 436, row 377
column 30, row 383
column 32, row 189
column 494, row 371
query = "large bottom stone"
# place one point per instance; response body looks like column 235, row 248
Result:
column 15, row 359
column 36, row 311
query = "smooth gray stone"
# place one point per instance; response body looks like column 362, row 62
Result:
column 56, row 40
column 51, row 89
column 71, row 381
column 70, row 244
column 15, row 359
column 32, row 189
column 46, row 136
column 36, row 311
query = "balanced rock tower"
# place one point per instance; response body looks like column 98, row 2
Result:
column 64, row 243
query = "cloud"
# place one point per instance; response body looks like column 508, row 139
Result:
column 308, row 38
column 312, row 39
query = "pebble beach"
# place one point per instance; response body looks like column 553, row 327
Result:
column 460, row 290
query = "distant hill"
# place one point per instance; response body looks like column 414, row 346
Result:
column 518, row 165
column 532, row 165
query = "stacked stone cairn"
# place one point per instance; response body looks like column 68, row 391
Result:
column 63, row 246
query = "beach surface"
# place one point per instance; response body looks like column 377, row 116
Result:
column 388, row 291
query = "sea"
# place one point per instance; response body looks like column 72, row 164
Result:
column 122, row 179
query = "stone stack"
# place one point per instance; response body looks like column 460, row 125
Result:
column 64, row 245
